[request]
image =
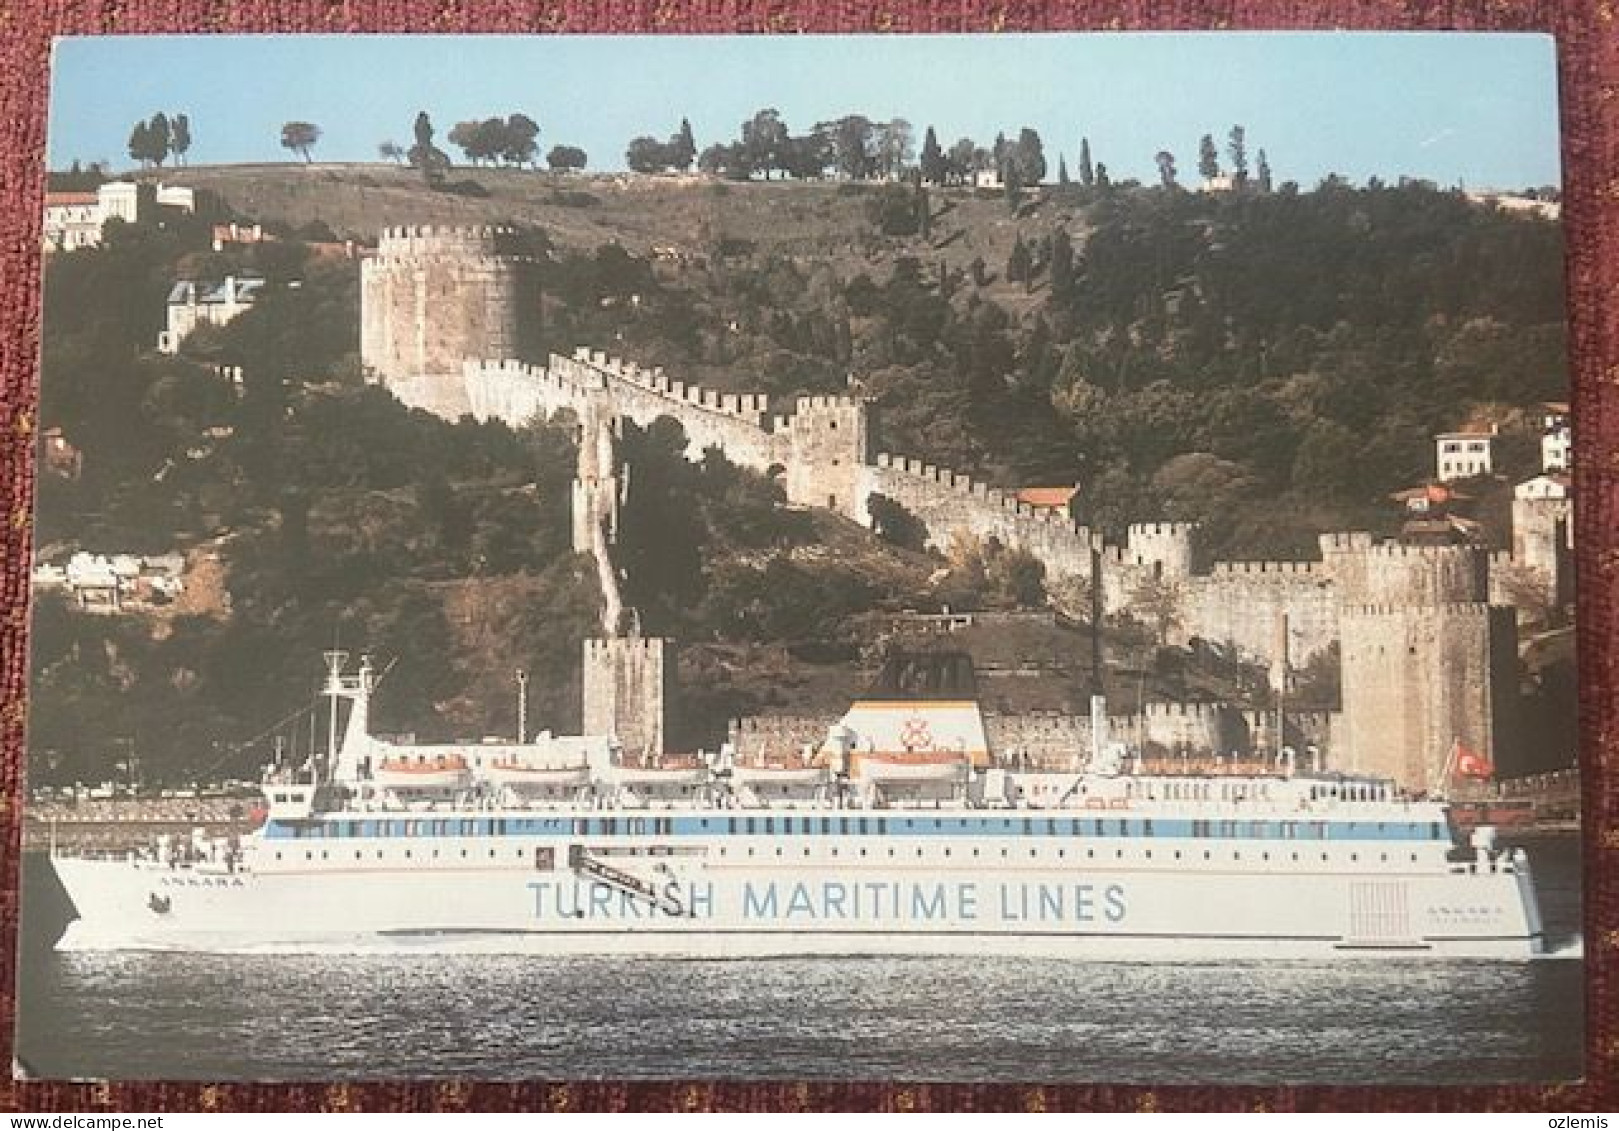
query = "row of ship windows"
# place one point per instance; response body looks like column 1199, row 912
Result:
column 892, row 854
column 863, row 826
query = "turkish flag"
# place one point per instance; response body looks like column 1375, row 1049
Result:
column 1472, row 764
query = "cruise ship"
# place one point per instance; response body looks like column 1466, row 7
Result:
column 896, row 833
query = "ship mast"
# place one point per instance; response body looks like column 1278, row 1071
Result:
column 522, row 706
column 335, row 660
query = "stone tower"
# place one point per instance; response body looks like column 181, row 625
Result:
column 1543, row 543
column 433, row 297
column 1426, row 660
column 626, row 690
column 1169, row 546
column 830, row 447
column 626, row 676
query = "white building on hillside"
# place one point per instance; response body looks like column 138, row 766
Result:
column 74, row 219
column 1462, row 455
column 193, row 304
column 1556, row 438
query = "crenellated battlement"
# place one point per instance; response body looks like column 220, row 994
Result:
column 848, row 404
column 1162, row 530
column 1400, row 552
column 1267, row 569
column 1346, row 541
column 1166, row 710
column 486, row 245
column 1461, row 610
column 992, row 500
column 752, row 408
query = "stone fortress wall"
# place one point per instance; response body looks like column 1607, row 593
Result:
column 1423, row 652
column 432, row 297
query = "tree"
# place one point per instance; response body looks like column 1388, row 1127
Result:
column 1019, row 263
column 1262, row 173
column 300, row 137
column 763, row 137
column 1062, row 266
column 1237, row 150
column 1208, row 158
column 1028, row 155
column 1102, row 179
column 806, row 157
column 565, row 158
column 180, row 136
column 1166, row 168
column 424, row 155
column 140, row 143
column 960, row 162
column 932, row 160
column 1062, row 172
column 894, row 147
column 391, row 151
column 682, row 147
column 1087, row 175
column 520, row 144
column 647, row 155
column 162, row 137
column 851, row 145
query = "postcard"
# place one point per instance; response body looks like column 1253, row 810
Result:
column 973, row 558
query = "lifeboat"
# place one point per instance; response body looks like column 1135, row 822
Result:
column 910, row 766
column 779, row 772
column 537, row 775
column 441, row 771
column 670, row 770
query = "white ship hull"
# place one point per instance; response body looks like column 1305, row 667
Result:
column 1124, row 909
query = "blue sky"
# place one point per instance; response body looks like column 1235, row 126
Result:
column 1475, row 109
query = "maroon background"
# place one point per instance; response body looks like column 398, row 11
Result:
column 1588, row 46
